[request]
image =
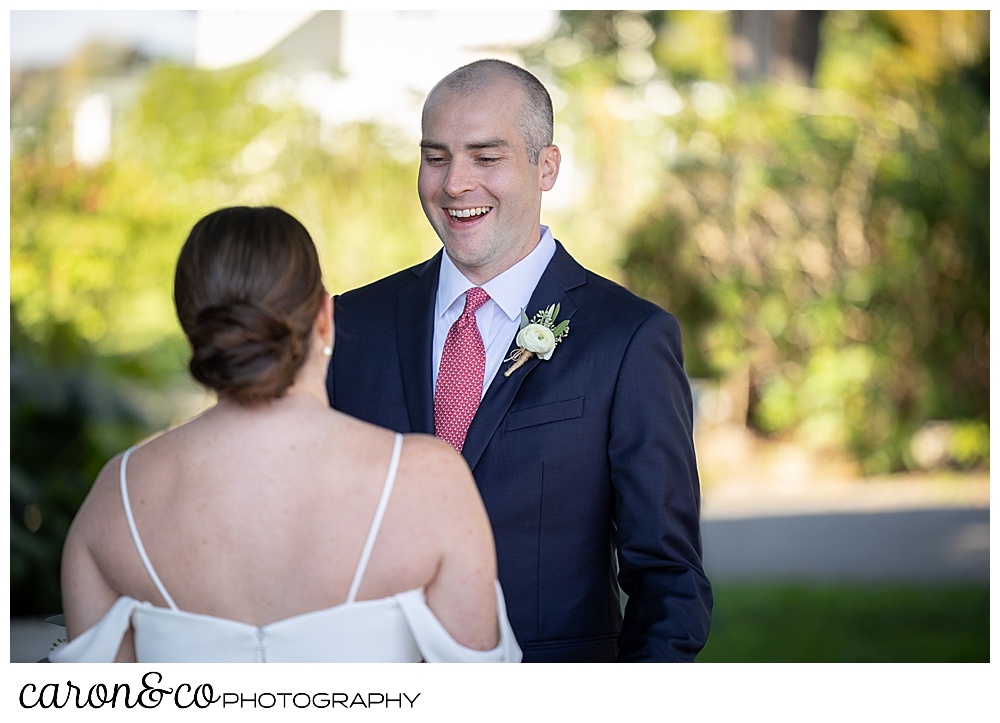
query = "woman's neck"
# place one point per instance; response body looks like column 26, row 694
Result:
column 311, row 378
column 296, row 397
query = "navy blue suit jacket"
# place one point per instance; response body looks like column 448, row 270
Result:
column 577, row 458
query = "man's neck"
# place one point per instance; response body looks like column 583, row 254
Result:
column 480, row 275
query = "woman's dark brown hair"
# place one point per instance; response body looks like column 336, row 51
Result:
column 248, row 288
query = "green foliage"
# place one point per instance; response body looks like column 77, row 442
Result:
column 194, row 123
column 834, row 241
column 93, row 251
column 970, row 443
column 692, row 44
column 848, row 623
column 98, row 359
column 95, row 248
column 70, row 412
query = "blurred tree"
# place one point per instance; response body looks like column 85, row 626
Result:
column 69, row 413
column 835, row 240
column 782, row 44
column 827, row 243
column 98, row 359
column 93, row 250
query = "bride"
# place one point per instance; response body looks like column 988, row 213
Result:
column 271, row 527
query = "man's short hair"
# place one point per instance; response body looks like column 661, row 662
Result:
column 535, row 122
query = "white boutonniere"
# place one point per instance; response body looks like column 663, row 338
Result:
column 537, row 337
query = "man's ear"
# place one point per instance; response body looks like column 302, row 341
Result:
column 549, row 159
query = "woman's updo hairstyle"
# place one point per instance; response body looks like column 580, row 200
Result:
column 248, row 288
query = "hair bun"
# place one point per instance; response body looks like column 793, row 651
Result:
column 244, row 350
column 248, row 289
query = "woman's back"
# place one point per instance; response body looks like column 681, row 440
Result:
column 264, row 517
column 259, row 516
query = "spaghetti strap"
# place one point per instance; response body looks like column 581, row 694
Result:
column 135, row 534
column 390, row 478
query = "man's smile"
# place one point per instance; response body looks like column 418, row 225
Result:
column 467, row 215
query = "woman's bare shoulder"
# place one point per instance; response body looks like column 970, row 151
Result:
column 99, row 529
column 434, row 462
column 435, row 472
column 102, row 512
column 104, row 495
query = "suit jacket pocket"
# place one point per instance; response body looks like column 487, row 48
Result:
column 544, row 413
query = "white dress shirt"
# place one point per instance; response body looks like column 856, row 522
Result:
column 500, row 317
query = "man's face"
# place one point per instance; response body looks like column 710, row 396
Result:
column 477, row 187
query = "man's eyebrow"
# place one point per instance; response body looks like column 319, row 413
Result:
column 494, row 143
column 478, row 145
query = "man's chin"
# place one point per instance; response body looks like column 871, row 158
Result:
column 465, row 260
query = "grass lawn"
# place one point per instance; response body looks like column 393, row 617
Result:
column 798, row 622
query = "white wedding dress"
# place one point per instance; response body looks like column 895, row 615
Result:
column 399, row 628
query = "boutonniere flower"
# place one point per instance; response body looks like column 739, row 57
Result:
column 537, row 337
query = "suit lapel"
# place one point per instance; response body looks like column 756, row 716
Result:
column 414, row 336
column 561, row 275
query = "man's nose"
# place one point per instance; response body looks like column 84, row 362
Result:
column 460, row 179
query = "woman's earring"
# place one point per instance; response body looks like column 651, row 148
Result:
column 328, row 350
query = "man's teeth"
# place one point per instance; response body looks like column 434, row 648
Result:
column 468, row 212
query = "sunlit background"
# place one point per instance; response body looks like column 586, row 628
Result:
column 807, row 191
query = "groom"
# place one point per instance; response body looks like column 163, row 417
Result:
column 584, row 459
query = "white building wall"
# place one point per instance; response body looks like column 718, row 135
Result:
column 92, row 129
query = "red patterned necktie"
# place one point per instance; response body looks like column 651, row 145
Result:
column 460, row 377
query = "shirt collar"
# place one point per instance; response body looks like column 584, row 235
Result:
column 511, row 290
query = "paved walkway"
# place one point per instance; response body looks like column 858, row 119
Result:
column 911, row 528
column 926, row 545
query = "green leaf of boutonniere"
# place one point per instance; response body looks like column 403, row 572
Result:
column 524, row 320
column 562, row 327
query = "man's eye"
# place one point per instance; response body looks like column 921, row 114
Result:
column 488, row 160
column 435, row 160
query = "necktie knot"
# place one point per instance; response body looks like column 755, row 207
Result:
column 474, row 299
